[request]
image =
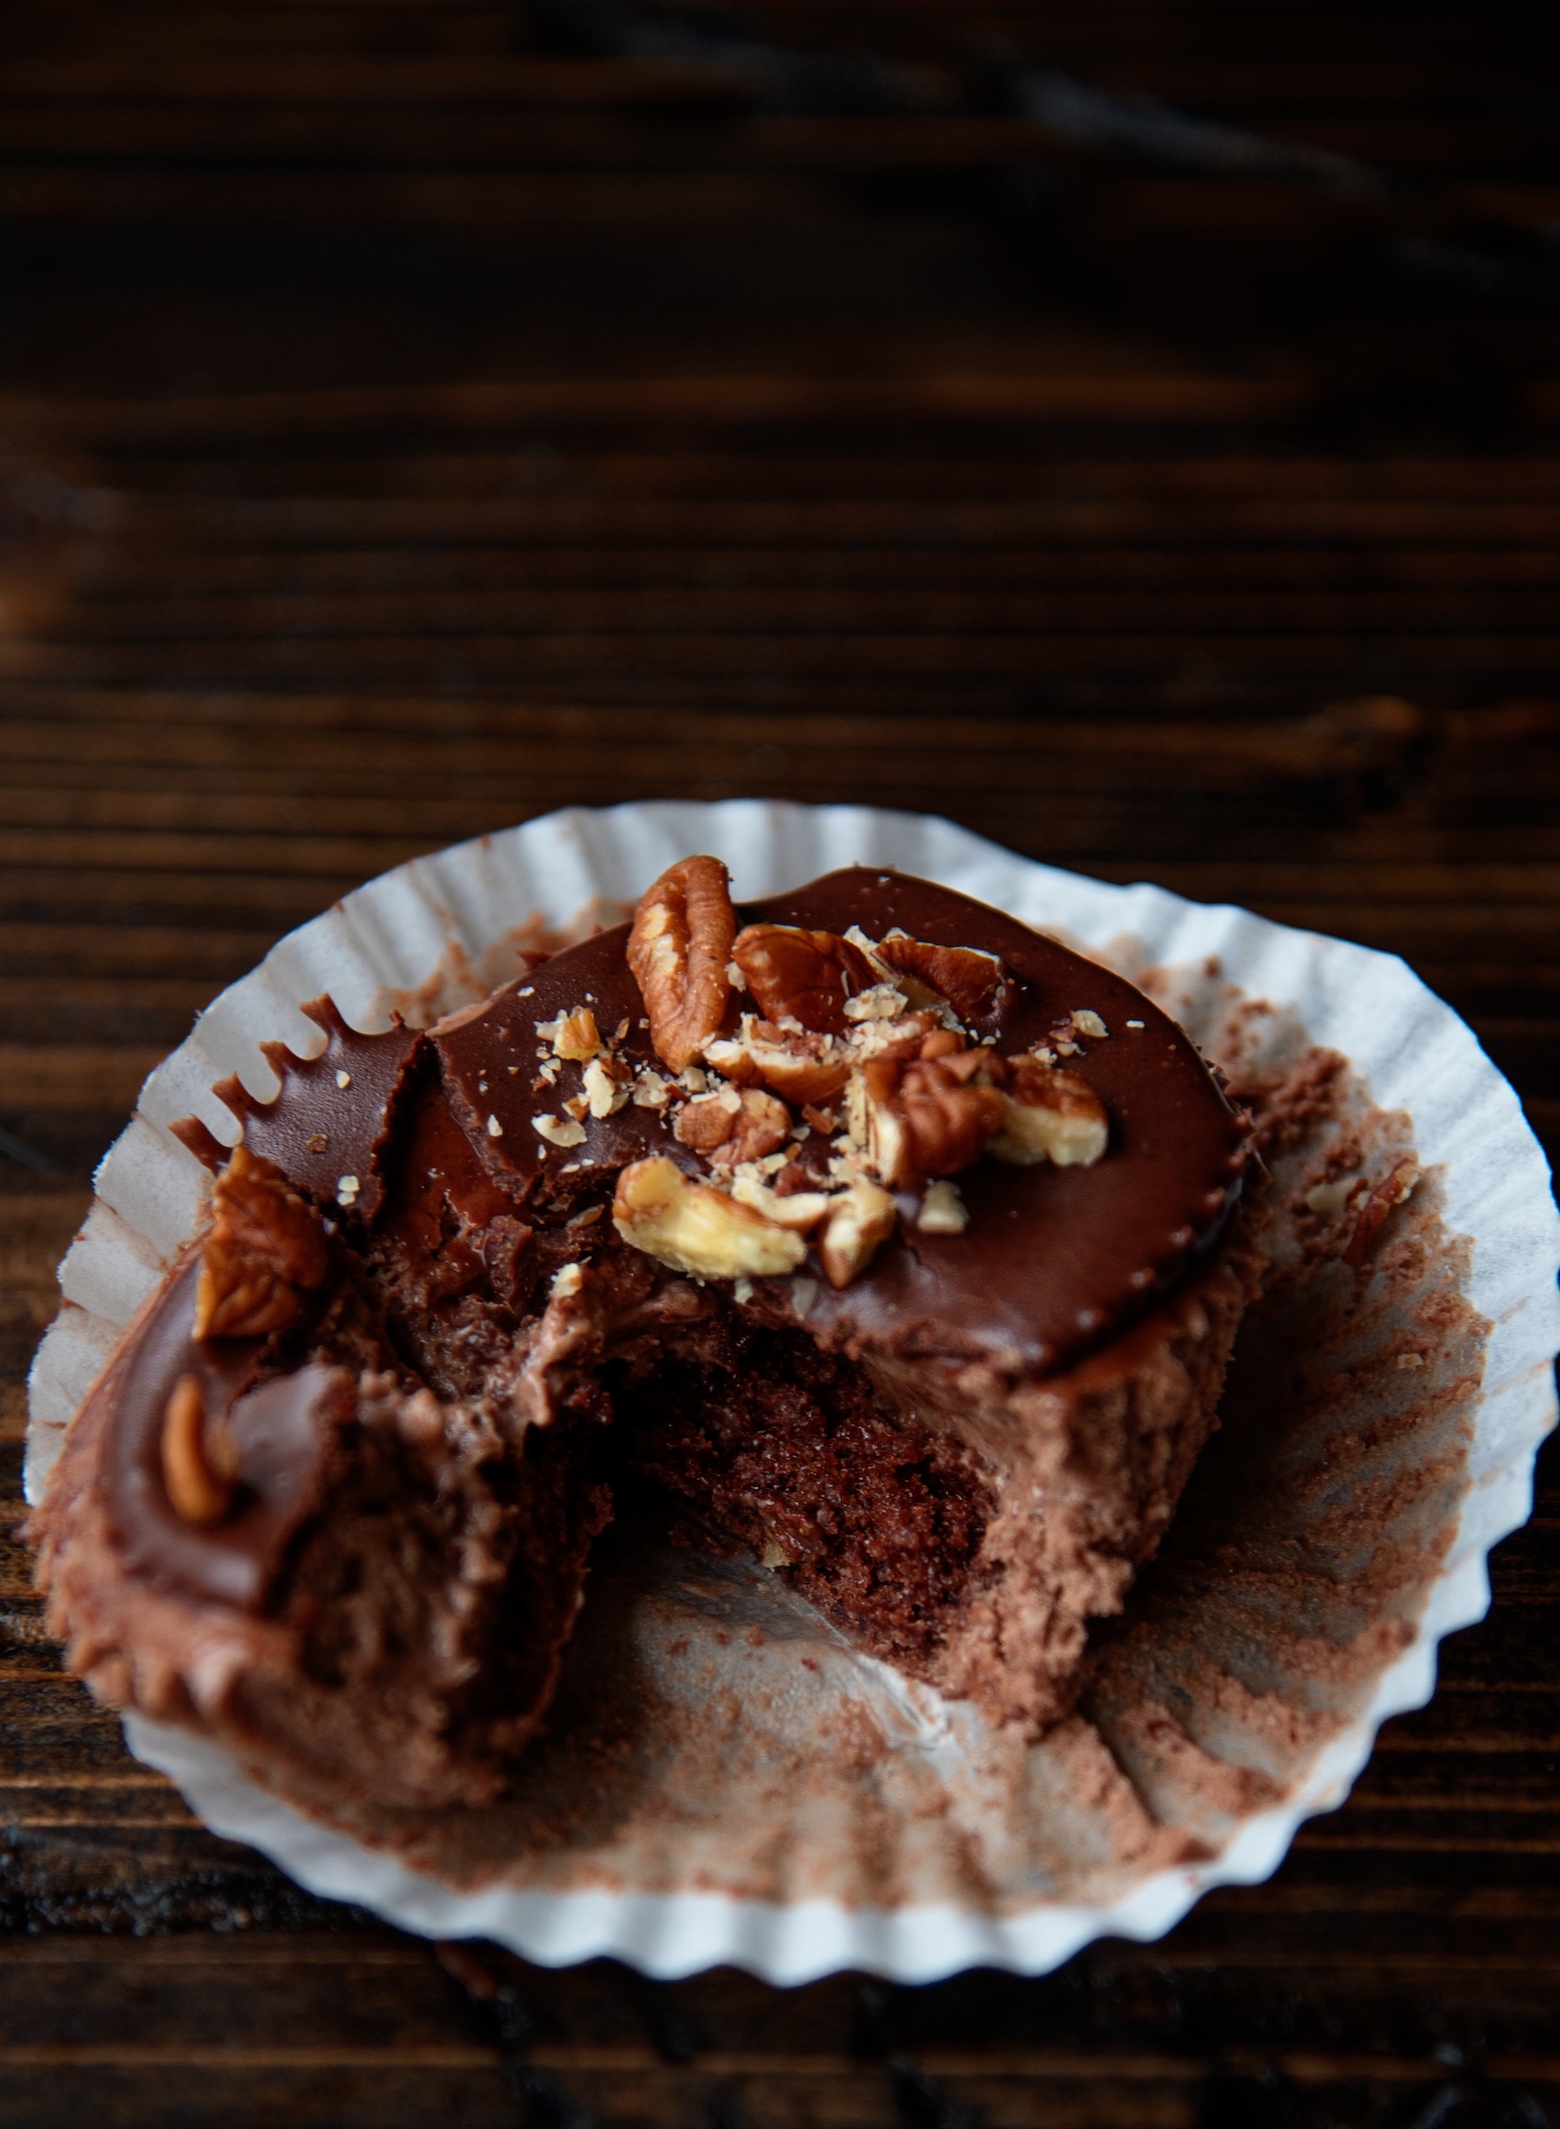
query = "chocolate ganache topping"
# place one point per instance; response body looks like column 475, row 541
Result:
column 1053, row 1259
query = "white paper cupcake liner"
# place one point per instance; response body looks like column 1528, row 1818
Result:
column 449, row 926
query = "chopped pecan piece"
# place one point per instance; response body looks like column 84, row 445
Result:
column 265, row 1252
column 697, row 1229
column 802, row 975
column 678, row 948
column 943, row 1211
column 1050, row 1115
column 798, row 1066
column 974, row 984
column 1394, row 1189
column 732, row 1126
column 199, row 1471
column 858, row 1222
column 578, row 1037
column 924, row 1118
column 606, row 1086
column 801, row 1209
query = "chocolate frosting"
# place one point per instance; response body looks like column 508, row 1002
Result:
column 317, row 1130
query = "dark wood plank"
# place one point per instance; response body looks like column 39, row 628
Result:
column 416, row 419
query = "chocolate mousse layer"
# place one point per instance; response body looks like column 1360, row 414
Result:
column 866, row 1230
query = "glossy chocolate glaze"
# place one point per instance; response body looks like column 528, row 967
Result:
column 317, row 1131
column 282, row 1430
column 1054, row 1261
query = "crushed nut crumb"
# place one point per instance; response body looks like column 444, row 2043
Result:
column 943, row 1211
column 557, row 1132
column 882, row 1002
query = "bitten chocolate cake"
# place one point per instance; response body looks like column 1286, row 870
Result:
column 865, row 1230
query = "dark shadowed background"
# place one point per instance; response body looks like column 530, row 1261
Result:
column 1128, row 428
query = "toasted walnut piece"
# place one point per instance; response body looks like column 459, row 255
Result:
column 678, row 948
column 974, row 984
column 924, row 1118
column 265, row 1252
column 578, row 1037
column 1050, row 1116
column 802, row 975
column 859, row 1221
column 199, row 1475
column 698, row 1230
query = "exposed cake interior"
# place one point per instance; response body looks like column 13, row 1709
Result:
column 791, row 1455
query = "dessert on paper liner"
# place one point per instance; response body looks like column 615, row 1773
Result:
column 723, row 1776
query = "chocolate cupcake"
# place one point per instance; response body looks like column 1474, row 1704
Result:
column 863, row 1231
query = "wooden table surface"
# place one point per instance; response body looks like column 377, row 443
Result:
column 1127, row 429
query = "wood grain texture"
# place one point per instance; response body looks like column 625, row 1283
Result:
column 417, row 417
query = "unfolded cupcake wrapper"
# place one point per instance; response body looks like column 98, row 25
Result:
column 725, row 1781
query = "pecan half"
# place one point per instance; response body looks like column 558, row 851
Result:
column 926, row 1118
column 697, row 1229
column 974, row 984
column 1050, row 1115
column 199, row 1472
column 265, row 1252
column 802, row 975
column 678, row 948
